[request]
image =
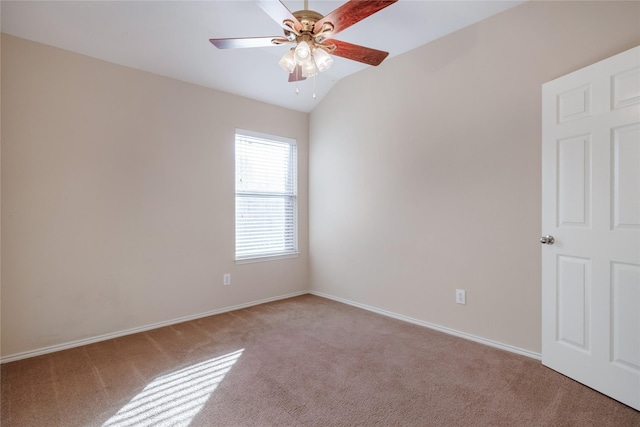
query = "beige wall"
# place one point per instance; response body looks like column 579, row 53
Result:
column 117, row 198
column 425, row 172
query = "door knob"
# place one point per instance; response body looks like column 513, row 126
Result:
column 547, row 240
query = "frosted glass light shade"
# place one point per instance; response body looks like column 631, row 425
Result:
column 288, row 62
column 302, row 53
column 309, row 69
column 322, row 58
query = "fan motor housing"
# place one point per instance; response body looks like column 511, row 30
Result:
column 308, row 19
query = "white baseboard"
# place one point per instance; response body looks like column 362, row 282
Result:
column 85, row 341
column 446, row 330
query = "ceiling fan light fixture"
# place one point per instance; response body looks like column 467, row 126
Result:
column 307, row 31
column 288, row 61
column 302, row 53
column 322, row 59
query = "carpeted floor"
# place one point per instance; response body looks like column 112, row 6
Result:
column 304, row 361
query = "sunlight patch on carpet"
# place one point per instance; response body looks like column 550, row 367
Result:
column 175, row 399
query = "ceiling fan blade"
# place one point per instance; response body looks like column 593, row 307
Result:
column 296, row 75
column 349, row 13
column 234, row 43
column 279, row 13
column 358, row 53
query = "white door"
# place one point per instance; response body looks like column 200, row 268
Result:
column 591, row 208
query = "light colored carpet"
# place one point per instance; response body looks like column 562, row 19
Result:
column 304, row 361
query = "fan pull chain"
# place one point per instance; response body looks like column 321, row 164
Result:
column 314, row 87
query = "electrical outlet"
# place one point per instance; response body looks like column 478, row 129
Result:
column 226, row 279
column 461, row 296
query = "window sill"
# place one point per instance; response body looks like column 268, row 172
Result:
column 266, row 258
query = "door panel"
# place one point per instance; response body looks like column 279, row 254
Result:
column 591, row 205
column 626, row 177
column 574, row 188
column 574, row 302
column 625, row 295
column 626, row 88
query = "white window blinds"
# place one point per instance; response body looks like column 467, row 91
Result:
column 266, row 195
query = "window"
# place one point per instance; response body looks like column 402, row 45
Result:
column 266, row 196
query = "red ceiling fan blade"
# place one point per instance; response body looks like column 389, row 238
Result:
column 349, row 13
column 358, row 53
column 279, row 13
column 296, row 75
column 248, row 42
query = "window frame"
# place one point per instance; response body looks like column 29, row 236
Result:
column 292, row 174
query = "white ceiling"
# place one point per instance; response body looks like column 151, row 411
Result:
column 171, row 38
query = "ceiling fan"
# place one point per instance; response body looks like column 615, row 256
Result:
column 312, row 35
